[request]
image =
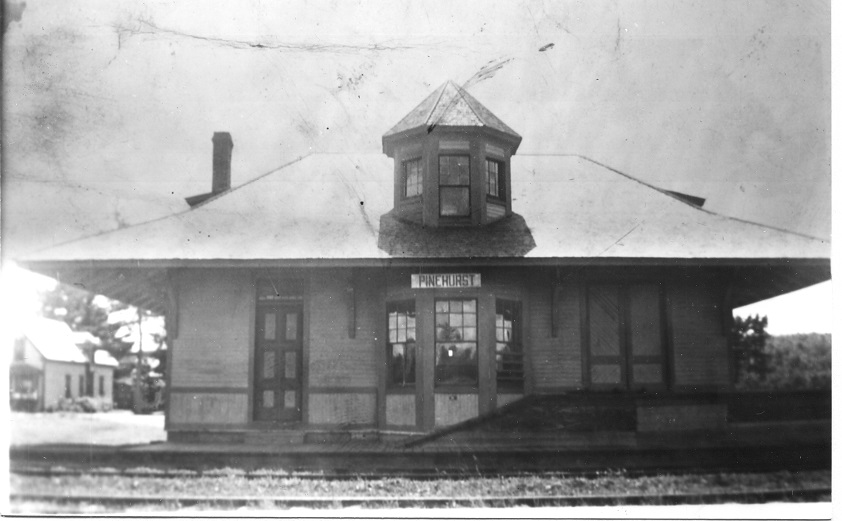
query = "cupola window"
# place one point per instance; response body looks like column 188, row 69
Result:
column 412, row 178
column 455, row 185
column 494, row 178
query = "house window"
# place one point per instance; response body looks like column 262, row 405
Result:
column 101, row 385
column 494, row 180
column 413, row 178
column 509, row 354
column 67, row 383
column 454, row 186
column 401, row 345
column 456, row 342
column 81, row 385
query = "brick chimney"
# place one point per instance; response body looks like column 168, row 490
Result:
column 222, row 146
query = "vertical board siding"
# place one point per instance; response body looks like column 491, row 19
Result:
column 344, row 408
column 556, row 362
column 400, row 410
column 455, row 408
column 700, row 356
column 196, row 408
column 212, row 348
column 336, row 359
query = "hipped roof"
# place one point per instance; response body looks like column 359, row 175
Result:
column 329, row 206
column 450, row 105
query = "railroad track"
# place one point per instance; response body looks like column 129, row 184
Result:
column 420, row 475
column 177, row 502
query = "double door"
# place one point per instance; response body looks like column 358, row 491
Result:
column 277, row 371
column 625, row 337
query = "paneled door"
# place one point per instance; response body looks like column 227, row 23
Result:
column 625, row 337
column 277, row 370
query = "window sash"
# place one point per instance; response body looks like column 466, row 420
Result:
column 456, row 343
column 413, row 180
column 493, row 178
column 509, row 347
column 400, row 343
column 454, row 185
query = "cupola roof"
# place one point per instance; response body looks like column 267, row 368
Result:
column 450, row 105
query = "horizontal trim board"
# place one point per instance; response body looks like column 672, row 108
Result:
column 209, row 390
column 822, row 262
column 228, row 427
column 341, row 389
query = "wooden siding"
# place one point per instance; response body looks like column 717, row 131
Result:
column 213, row 345
column 700, row 356
column 54, row 373
column 400, row 410
column 342, row 408
column 334, row 358
column 556, row 362
column 208, row 408
column 495, row 211
column 455, row 408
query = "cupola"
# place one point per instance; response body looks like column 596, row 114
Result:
column 452, row 161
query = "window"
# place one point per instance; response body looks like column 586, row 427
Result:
column 101, row 385
column 412, row 178
column 81, row 385
column 401, row 345
column 67, row 383
column 509, row 353
column 456, row 342
column 494, row 180
column 454, row 186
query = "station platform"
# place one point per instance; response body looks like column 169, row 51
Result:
column 740, row 446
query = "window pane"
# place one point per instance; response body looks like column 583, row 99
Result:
column 442, row 306
column 269, row 364
column 455, row 201
column 454, row 170
column 292, row 326
column 492, row 177
column 456, row 348
column 290, row 366
column 289, row 400
column 412, row 175
column 268, row 399
column 269, row 326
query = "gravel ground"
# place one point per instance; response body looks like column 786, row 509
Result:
column 233, row 483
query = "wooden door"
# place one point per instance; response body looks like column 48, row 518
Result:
column 645, row 337
column 277, row 372
column 625, row 337
column 606, row 357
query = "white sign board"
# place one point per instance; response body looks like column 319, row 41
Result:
column 446, row 280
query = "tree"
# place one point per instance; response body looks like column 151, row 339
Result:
column 748, row 342
column 85, row 311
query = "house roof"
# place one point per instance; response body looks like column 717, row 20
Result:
column 450, row 105
column 329, row 206
column 54, row 340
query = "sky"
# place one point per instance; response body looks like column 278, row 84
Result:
column 109, row 106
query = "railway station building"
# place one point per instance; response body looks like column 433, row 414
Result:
column 404, row 292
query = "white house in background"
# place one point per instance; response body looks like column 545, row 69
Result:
column 49, row 366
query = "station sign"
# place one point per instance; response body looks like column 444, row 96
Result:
column 445, row 280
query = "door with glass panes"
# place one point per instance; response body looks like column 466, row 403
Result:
column 625, row 337
column 277, row 372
